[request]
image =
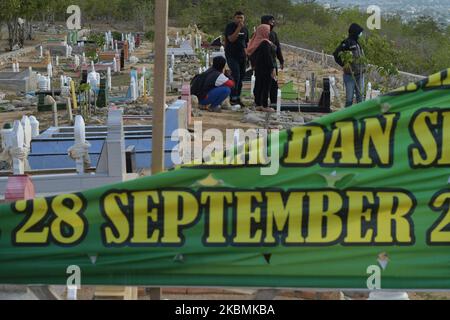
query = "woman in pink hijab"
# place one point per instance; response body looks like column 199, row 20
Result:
column 262, row 53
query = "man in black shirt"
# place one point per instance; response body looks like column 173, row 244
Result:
column 270, row 20
column 236, row 40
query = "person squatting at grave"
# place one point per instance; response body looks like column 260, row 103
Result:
column 354, row 71
column 213, row 87
column 262, row 53
column 270, row 20
column 236, row 40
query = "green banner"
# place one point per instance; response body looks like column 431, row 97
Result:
column 359, row 194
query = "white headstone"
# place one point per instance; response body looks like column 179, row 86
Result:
column 80, row 139
column 26, row 131
column 42, row 83
column 6, row 135
column 332, row 88
column 77, row 61
column 116, row 69
column 133, row 87
column 387, row 295
column 170, row 76
column 308, row 89
column 72, row 293
column 93, row 77
column 34, row 127
column 50, row 70
column 369, row 91
column 18, row 140
column 253, row 85
column 279, row 102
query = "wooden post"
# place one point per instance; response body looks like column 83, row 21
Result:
column 160, row 75
column 69, row 111
column 55, row 114
column 74, row 95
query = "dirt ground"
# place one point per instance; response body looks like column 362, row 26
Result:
column 230, row 294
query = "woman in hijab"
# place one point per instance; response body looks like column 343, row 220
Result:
column 262, row 53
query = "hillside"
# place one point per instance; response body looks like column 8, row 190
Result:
column 420, row 46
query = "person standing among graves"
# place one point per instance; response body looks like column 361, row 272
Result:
column 213, row 86
column 270, row 20
column 354, row 71
column 262, row 53
column 236, row 40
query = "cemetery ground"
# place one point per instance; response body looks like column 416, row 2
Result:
column 229, row 294
column 14, row 105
